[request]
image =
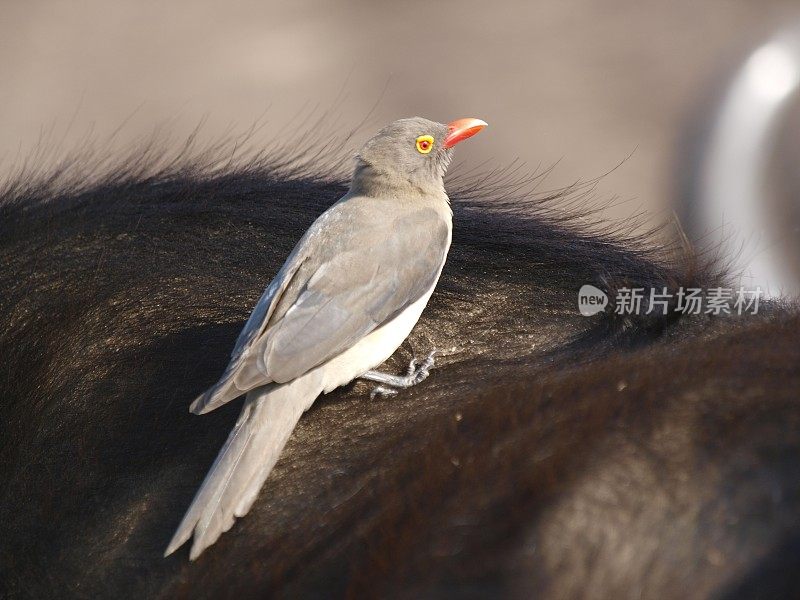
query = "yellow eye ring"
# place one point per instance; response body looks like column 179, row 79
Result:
column 424, row 144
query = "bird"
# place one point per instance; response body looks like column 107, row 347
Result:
column 346, row 298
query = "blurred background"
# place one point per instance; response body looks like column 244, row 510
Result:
column 630, row 87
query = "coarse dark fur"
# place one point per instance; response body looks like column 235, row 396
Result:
column 549, row 455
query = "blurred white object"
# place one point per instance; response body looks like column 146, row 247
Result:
column 732, row 187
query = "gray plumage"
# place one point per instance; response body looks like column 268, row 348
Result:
column 346, row 297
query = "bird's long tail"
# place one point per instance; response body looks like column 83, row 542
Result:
column 268, row 417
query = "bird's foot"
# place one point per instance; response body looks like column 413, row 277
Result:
column 417, row 372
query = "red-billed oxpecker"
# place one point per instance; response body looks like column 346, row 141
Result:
column 348, row 295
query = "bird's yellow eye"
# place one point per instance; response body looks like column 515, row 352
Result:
column 424, row 144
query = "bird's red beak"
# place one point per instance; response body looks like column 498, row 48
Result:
column 459, row 130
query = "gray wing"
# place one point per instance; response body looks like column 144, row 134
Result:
column 355, row 269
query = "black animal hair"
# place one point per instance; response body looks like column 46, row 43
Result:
column 549, row 452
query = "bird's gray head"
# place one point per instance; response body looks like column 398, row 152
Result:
column 410, row 156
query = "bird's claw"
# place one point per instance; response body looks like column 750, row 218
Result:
column 419, row 371
column 416, row 373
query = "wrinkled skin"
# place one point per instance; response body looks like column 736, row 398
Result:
column 548, row 455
